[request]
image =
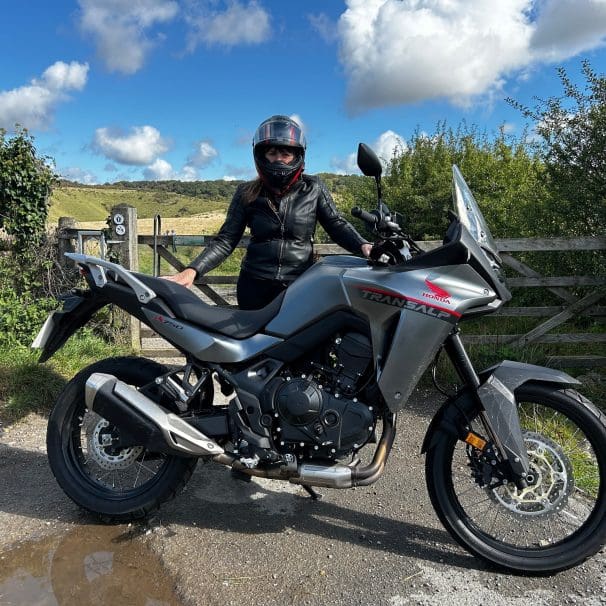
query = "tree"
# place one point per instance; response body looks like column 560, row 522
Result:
column 25, row 185
column 503, row 174
column 26, row 180
column 572, row 131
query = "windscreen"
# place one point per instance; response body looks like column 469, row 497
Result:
column 469, row 213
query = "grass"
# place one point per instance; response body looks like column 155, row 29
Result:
column 27, row 386
column 93, row 204
column 566, row 435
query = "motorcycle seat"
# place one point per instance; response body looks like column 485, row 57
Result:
column 234, row 323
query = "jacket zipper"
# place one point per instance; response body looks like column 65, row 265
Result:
column 281, row 222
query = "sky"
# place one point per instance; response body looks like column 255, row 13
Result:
column 174, row 89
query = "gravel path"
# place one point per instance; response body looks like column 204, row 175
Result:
column 225, row 541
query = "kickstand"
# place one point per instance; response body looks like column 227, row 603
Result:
column 316, row 496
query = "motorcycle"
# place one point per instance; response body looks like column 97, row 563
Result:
column 515, row 459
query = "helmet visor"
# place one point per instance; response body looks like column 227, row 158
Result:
column 279, row 132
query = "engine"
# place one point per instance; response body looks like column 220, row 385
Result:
column 316, row 414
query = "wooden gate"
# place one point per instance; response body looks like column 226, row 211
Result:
column 220, row 289
column 572, row 305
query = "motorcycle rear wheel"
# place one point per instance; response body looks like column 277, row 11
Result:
column 560, row 520
column 116, row 484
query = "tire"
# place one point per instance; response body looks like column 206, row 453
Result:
column 99, row 478
column 561, row 520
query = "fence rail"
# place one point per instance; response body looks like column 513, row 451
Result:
column 123, row 235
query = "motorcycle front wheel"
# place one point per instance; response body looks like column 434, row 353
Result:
column 117, row 484
column 555, row 523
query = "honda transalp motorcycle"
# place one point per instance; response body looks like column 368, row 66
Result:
column 515, row 459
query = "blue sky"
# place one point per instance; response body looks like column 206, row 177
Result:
column 133, row 89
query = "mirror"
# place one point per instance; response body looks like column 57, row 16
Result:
column 368, row 162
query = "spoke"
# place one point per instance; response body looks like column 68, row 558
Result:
column 476, row 503
column 150, row 471
column 494, row 521
column 118, row 482
column 554, row 510
column 570, row 517
column 139, row 469
column 468, row 490
column 575, row 433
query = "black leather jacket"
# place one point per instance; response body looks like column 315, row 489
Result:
column 281, row 242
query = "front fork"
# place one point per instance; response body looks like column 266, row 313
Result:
column 498, row 412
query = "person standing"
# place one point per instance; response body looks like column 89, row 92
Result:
column 281, row 207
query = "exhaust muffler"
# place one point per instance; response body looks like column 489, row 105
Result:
column 143, row 420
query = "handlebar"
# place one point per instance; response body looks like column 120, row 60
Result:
column 376, row 221
column 367, row 217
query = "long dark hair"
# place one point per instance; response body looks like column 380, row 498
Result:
column 250, row 191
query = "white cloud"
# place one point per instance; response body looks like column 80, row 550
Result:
column 388, row 144
column 237, row 24
column 246, row 173
column 345, row 166
column 33, row 105
column 385, row 146
column 324, row 26
column 62, row 76
column 161, row 170
column 141, row 146
column 567, row 27
column 299, row 121
column 404, row 51
column 120, row 29
column 204, row 154
column 229, row 178
column 80, row 175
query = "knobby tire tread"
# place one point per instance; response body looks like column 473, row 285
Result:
column 438, row 489
column 177, row 477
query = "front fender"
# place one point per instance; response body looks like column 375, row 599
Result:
column 497, row 397
column 515, row 374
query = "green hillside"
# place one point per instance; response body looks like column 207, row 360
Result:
column 94, row 203
column 168, row 198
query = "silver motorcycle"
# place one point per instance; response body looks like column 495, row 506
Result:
column 516, row 458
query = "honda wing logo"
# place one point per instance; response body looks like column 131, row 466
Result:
column 437, row 293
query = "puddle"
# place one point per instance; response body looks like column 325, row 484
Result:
column 91, row 565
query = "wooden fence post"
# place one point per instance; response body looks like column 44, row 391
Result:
column 64, row 244
column 123, row 241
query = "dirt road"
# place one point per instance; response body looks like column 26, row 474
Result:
column 224, row 541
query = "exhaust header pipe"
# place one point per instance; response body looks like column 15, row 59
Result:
column 143, row 420
column 327, row 476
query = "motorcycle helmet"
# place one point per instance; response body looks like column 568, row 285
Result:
column 279, row 131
